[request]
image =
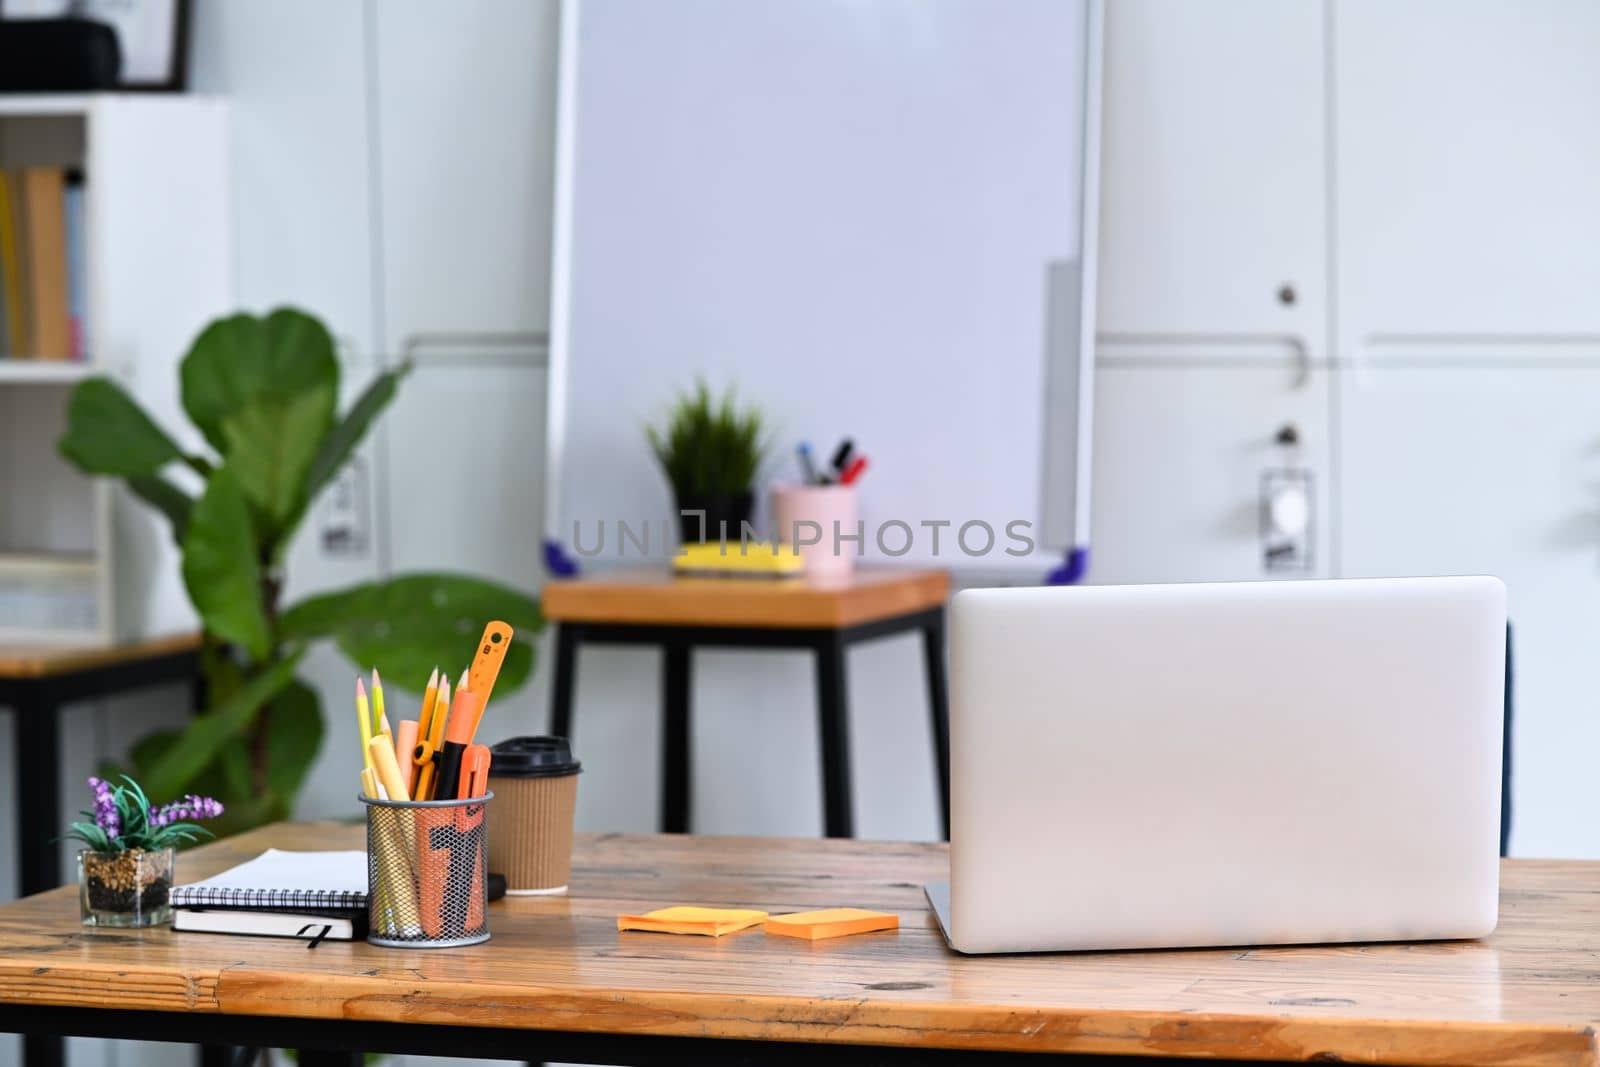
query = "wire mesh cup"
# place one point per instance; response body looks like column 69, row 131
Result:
column 427, row 872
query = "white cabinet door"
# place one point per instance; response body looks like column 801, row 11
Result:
column 1213, row 193
column 1179, row 457
column 1468, row 148
column 466, row 115
column 1497, row 471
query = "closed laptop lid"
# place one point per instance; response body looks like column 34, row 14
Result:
column 1254, row 763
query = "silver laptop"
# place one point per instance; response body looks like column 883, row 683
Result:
column 1256, row 763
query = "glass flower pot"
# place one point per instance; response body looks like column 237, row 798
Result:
column 128, row 888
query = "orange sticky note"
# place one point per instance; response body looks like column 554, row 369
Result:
column 831, row 922
column 708, row 922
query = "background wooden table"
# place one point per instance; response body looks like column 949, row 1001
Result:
column 822, row 616
column 1529, row 995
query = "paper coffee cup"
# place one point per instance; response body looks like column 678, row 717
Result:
column 535, row 783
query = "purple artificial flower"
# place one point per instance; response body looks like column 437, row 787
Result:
column 105, row 808
column 190, row 807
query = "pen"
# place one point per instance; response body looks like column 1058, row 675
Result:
column 808, row 469
column 857, row 466
column 364, row 714
column 841, row 455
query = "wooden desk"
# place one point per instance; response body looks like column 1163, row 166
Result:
column 825, row 617
column 36, row 682
column 558, row 982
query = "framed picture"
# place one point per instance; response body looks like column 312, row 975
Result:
column 153, row 35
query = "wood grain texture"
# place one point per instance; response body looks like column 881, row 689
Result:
column 1530, row 994
column 656, row 598
column 43, row 661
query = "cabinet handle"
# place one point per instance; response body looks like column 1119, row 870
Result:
column 496, row 349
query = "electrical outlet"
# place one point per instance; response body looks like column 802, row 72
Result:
column 344, row 518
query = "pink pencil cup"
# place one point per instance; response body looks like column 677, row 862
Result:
column 794, row 507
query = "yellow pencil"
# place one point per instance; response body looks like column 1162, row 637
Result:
column 380, row 721
column 364, row 714
column 426, row 718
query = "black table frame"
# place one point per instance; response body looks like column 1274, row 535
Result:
column 328, row 1042
column 36, row 704
column 829, row 644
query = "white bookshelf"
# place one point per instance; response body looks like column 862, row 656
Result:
column 81, row 561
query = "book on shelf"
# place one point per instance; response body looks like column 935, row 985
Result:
column 43, row 286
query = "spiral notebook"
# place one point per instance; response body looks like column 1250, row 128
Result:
column 283, row 880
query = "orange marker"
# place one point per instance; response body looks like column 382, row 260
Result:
column 486, row 663
column 474, row 772
column 474, row 783
column 464, row 712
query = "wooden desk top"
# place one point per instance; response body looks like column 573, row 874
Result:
column 44, row 661
column 1530, row 994
column 656, row 598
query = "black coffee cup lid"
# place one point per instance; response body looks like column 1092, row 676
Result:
column 533, row 757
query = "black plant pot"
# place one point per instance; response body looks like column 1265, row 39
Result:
column 724, row 516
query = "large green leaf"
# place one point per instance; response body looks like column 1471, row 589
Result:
column 408, row 625
column 166, row 498
column 294, row 734
column 107, row 433
column 201, row 741
column 241, row 359
column 338, row 446
column 270, row 445
column 222, row 569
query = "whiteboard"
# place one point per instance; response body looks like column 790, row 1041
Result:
column 873, row 218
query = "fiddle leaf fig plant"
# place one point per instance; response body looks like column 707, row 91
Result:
column 262, row 392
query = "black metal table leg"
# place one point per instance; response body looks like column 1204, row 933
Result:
column 933, row 651
column 38, row 821
column 38, row 789
column 567, row 637
column 833, row 718
column 675, row 769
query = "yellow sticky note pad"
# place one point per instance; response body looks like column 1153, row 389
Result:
column 708, row 922
column 831, row 922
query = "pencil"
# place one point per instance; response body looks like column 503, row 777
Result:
column 428, row 695
column 380, row 721
column 428, row 747
column 364, row 714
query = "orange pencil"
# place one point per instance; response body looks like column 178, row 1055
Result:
column 427, row 755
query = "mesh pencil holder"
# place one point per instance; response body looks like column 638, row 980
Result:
column 427, row 872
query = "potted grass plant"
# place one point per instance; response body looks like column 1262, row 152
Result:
column 125, row 871
column 711, row 450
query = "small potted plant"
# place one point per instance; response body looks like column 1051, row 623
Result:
column 125, row 873
column 711, row 452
